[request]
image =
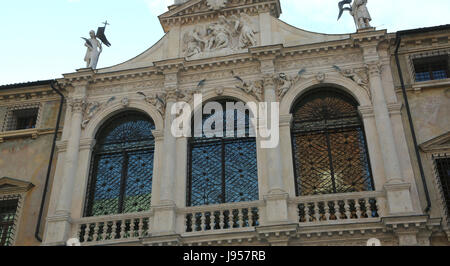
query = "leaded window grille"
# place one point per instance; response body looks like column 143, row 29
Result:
column 22, row 117
column 431, row 68
column 122, row 166
column 8, row 215
column 329, row 145
column 223, row 169
column 443, row 172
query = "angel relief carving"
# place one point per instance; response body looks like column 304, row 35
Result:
column 226, row 36
column 359, row 77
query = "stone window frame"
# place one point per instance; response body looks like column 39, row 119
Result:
column 436, row 156
column 419, row 55
column 19, row 211
column 18, row 107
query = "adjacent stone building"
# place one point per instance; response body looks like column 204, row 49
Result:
column 346, row 169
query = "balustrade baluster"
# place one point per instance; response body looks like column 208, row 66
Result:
column 87, row 232
column 203, row 222
column 348, row 212
column 317, row 211
column 307, row 212
column 250, row 217
column 241, row 221
column 79, row 232
column 337, row 210
column 327, row 211
column 114, row 230
column 140, row 227
column 358, row 209
column 122, row 228
column 222, row 220
column 96, row 229
column 368, row 208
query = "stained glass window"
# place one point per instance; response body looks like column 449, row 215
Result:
column 223, row 169
column 122, row 166
column 329, row 145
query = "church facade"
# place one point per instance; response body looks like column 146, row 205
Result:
column 363, row 151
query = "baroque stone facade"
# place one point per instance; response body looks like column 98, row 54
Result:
column 241, row 50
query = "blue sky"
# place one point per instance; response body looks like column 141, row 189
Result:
column 41, row 39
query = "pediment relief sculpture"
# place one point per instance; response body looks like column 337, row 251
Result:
column 226, row 36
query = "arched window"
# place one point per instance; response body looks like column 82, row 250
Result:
column 223, row 169
column 329, row 145
column 122, row 166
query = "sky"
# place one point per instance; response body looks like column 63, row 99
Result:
column 41, row 39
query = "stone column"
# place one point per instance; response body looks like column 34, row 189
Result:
column 287, row 164
column 81, row 181
column 398, row 191
column 157, row 166
column 273, row 154
column 164, row 221
column 59, row 224
column 276, row 200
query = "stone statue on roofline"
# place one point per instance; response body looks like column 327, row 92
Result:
column 94, row 46
column 359, row 12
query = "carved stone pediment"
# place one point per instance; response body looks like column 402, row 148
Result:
column 438, row 144
column 194, row 11
column 11, row 185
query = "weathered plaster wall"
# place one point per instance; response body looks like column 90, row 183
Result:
column 27, row 159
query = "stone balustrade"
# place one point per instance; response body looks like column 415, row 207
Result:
column 112, row 229
column 226, row 217
column 339, row 208
column 233, row 217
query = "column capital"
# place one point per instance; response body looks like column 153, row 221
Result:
column 374, row 68
column 78, row 105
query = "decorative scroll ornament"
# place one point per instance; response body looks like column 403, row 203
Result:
column 359, row 77
column 216, row 4
column 223, row 37
column 92, row 109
